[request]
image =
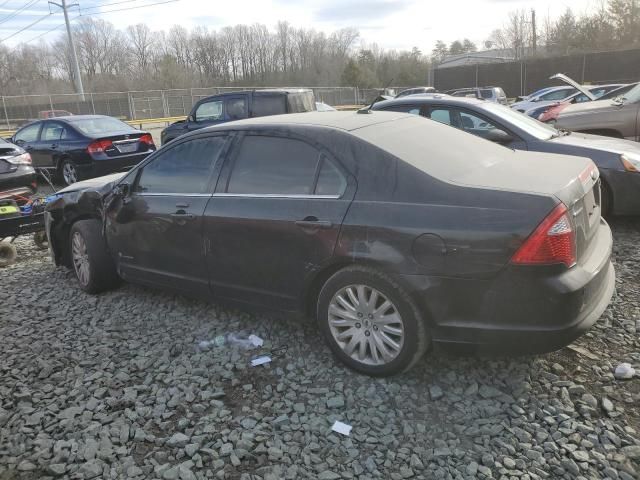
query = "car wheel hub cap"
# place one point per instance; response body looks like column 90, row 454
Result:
column 80, row 258
column 69, row 173
column 366, row 325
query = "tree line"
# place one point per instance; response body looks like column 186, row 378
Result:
column 138, row 58
column 613, row 25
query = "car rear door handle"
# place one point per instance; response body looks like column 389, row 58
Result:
column 313, row 222
column 54, row 146
column 182, row 205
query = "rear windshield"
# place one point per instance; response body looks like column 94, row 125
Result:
column 100, row 125
column 441, row 151
column 299, row 102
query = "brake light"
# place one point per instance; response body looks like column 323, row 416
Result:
column 99, row 146
column 553, row 242
column 23, row 159
column 148, row 139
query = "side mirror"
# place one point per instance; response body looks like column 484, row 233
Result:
column 191, row 118
column 498, row 136
column 17, row 142
column 122, row 190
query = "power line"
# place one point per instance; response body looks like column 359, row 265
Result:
column 27, row 27
column 17, row 12
column 98, row 13
column 132, row 8
column 108, row 4
column 4, row 3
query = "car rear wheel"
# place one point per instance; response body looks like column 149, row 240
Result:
column 92, row 264
column 69, row 172
column 370, row 322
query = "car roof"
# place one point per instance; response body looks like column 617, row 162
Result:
column 426, row 98
column 347, row 121
column 71, row 118
column 260, row 91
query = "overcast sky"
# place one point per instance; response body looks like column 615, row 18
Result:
column 397, row 24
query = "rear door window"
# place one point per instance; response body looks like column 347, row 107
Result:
column 442, row 115
column 236, row 108
column 184, row 168
column 557, row 95
column 274, row 166
column 331, row 181
column 264, row 105
column 412, row 109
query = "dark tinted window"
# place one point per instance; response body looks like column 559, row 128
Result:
column 330, row 181
column 28, row 134
column 236, row 108
column 272, row 165
column 184, row 168
column 264, row 105
column 299, row 102
column 558, row 94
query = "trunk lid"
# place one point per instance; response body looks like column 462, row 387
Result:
column 572, row 180
column 125, row 144
column 574, row 84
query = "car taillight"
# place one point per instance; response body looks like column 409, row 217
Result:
column 148, row 139
column 553, row 242
column 99, row 146
column 23, row 159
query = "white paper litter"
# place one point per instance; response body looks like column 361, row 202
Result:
column 342, row 428
column 260, row 360
column 624, row 371
column 256, row 340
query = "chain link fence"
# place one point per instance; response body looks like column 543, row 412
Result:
column 141, row 105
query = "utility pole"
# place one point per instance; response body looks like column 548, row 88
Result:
column 74, row 54
column 534, row 42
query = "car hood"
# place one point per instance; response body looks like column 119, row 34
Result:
column 597, row 142
column 586, row 107
column 101, row 184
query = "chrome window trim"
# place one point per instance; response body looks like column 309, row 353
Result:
column 239, row 195
column 170, row 194
column 276, row 195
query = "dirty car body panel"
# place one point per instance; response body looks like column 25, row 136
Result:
column 445, row 223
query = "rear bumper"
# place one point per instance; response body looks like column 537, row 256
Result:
column 98, row 168
column 524, row 309
column 24, row 178
column 625, row 188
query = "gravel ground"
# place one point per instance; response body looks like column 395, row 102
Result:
column 116, row 386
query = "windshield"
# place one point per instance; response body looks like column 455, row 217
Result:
column 632, row 96
column 537, row 129
column 100, row 125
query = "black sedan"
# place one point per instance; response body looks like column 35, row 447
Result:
column 618, row 160
column 84, row 146
column 17, row 176
column 393, row 231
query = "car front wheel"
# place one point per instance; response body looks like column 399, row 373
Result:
column 370, row 322
column 92, row 264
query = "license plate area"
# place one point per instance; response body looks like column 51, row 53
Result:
column 126, row 147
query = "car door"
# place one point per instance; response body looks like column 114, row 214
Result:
column 29, row 138
column 49, row 145
column 155, row 231
column 274, row 219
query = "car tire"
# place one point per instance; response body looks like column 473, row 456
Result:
column 90, row 259
column 8, row 254
column 69, row 172
column 605, row 199
column 352, row 322
column 41, row 240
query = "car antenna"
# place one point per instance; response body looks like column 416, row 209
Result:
column 367, row 109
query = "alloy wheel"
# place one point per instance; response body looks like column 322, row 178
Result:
column 80, row 258
column 69, row 173
column 366, row 325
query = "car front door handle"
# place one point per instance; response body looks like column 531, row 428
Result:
column 313, row 222
column 183, row 215
column 54, row 146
